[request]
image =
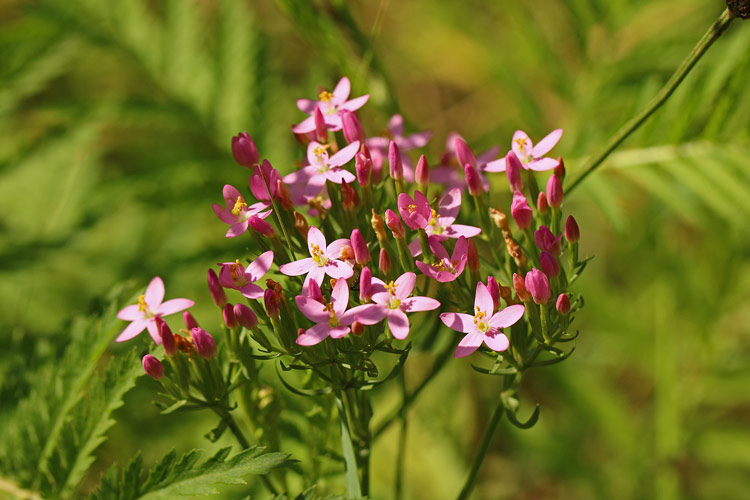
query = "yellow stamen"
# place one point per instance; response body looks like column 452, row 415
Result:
column 391, row 287
column 318, row 256
column 521, row 141
column 332, row 319
column 325, row 96
column 142, row 306
column 235, row 270
column 239, row 206
column 479, row 320
column 411, row 208
column 320, row 150
column 433, row 218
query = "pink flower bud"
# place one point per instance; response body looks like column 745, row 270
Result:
column 353, row 130
column 560, row 169
column 189, row 320
column 359, row 245
column 217, row 292
column 521, row 211
column 314, row 292
column 245, row 316
column 463, row 153
column 472, row 180
column 394, row 223
column 321, row 131
column 271, row 301
column 204, row 343
column 545, row 240
column 261, row 226
column 363, row 167
column 384, row 262
column 537, row 285
column 365, row 284
column 422, row 174
column 563, row 304
column 473, row 257
column 513, row 168
column 519, row 285
column 228, row 315
column 167, row 339
column 554, row 191
column 153, row 367
column 394, row 161
column 494, row 290
column 572, row 233
column 549, row 264
column 244, row 151
column 541, row 203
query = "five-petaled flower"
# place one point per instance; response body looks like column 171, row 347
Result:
column 330, row 104
column 392, row 301
column 237, row 213
column 143, row 314
column 415, row 211
column 324, row 259
column 531, row 156
column 483, row 326
column 331, row 317
column 323, row 168
column 441, row 224
column 447, row 268
column 235, row 275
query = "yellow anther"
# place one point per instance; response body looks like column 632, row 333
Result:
column 521, row 141
column 440, row 266
column 325, row 96
column 235, row 270
column 479, row 316
column 239, row 206
column 433, row 218
column 411, row 208
column 142, row 306
column 320, row 150
column 391, row 288
column 318, row 256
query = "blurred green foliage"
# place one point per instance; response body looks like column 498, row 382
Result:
column 115, row 123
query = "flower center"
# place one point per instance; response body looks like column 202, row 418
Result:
column 239, row 206
column 318, row 256
column 325, row 96
column 143, row 307
column 321, row 157
column 479, row 320
column 411, row 208
column 332, row 319
column 237, row 273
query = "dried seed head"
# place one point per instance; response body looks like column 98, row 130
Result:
column 740, row 8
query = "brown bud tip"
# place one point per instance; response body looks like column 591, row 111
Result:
column 358, row 328
column 300, row 224
column 500, row 219
column 184, row 344
column 740, row 8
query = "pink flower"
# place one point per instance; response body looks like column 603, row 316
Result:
column 392, row 301
column 483, row 326
column 264, row 183
column 378, row 146
column 236, row 213
column 234, row 275
column 532, row 157
column 441, row 224
column 324, row 259
column 451, row 171
column 322, row 168
column 330, row 104
column 521, row 211
column 143, row 314
column 415, row 211
column 447, row 269
column 330, row 316
column 545, row 240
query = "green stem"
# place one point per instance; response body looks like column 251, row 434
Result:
column 401, row 456
column 713, row 33
column 482, row 451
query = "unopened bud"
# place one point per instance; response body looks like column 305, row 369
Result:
column 379, row 226
column 314, row 292
column 283, row 193
column 215, row 289
column 349, row 196
column 572, row 233
column 153, row 367
column 521, row 211
column 541, row 203
column 244, row 151
column 560, row 169
column 513, row 167
column 519, row 285
column 189, row 320
column 473, row 180
column 500, row 220
column 554, row 191
column 515, row 251
column 463, row 153
column 563, row 304
column 740, row 8
column 261, row 226
column 365, row 285
column 167, row 339
column 271, row 301
column 321, row 131
column 549, row 265
column 394, row 223
column 359, row 245
column 537, row 285
column 506, row 294
column 228, row 315
column 494, row 290
column 422, row 173
column 245, row 316
column 276, row 287
column 363, row 168
column 352, row 127
column 358, row 328
column 394, row 161
column 473, row 257
column 384, row 263
column 205, row 345
column 300, row 224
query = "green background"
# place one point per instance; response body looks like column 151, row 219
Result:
column 115, row 124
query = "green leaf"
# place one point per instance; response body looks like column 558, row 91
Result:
column 352, row 477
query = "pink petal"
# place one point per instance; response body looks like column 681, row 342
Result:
column 547, row 143
column 130, row 313
column 224, row 214
column 423, row 205
column 312, row 158
column 316, row 238
column 341, row 92
column 461, row 250
column 306, row 105
column 414, row 141
column 257, row 209
column 339, row 332
column 398, row 324
column 337, row 269
column 405, row 284
column 132, row 330
column 415, row 248
column 312, row 309
column 154, row 293
column 305, row 126
column 316, row 274
column 297, row 267
column 450, row 203
column 339, row 175
column 496, row 340
column 507, row 317
column 427, row 269
column 344, row 155
column 458, row 321
column 526, row 149
column 543, row 164
column 231, row 194
column 314, row 335
column 237, row 229
column 483, row 300
column 260, row 266
column 487, row 156
column 495, row 166
column 458, row 230
column 300, row 176
column 172, row 306
column 437, row 249
column 468, row 344
column 417, row 304
column 340, row 297
column 153, row 330
column 367, row 314
column 396, row 126
column 225, row 275
column 355, row 103
column 251, row 291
